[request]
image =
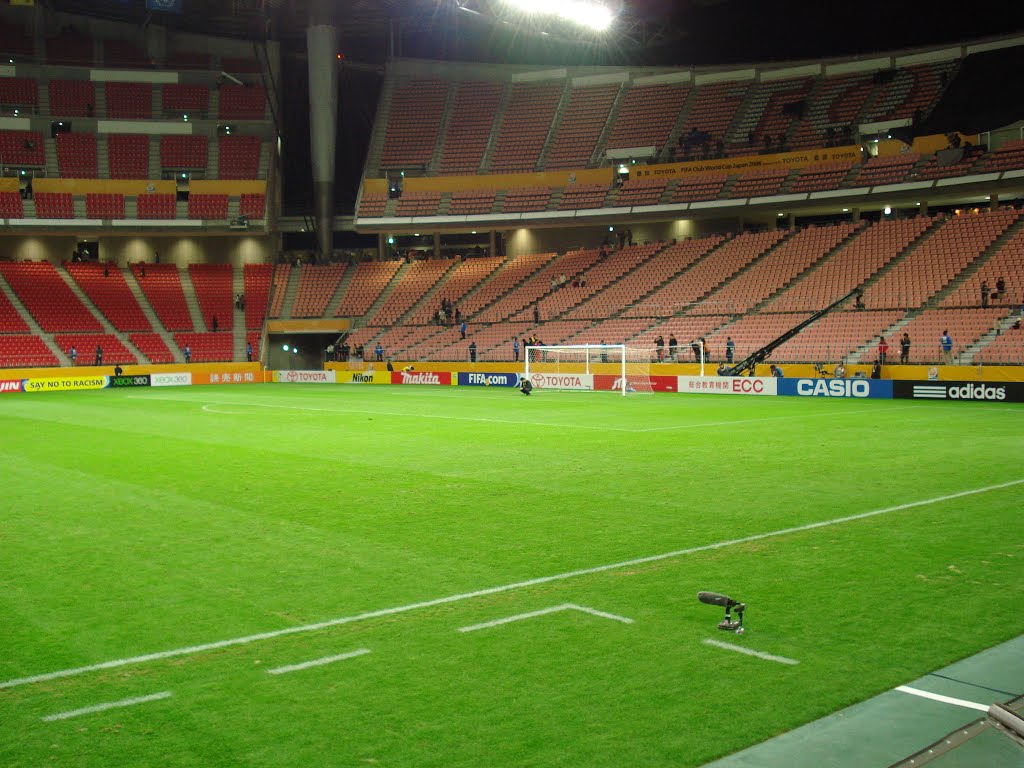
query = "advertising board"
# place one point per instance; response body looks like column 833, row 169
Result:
column 120, row 382
column 304, row 377
column 12, row 385
column 421, row 377
column 983, row 391
column 727, row 385
column 488, row 380
column 562, row 380
column 183, row 379
column 362, row 377
column 66, row 384
column 604, row 383
column 857, row 388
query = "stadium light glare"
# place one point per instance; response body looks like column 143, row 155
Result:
column 586, row 13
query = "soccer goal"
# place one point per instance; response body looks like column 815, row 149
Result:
column 615, row 367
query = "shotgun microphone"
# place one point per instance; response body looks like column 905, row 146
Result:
column 724, row 601
column 713, row 598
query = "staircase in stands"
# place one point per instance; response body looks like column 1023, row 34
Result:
column 442, row 131
column 33, row 326
column 239, row 329
column 499, row 118
column 194, row 311
column 289, row 294
column 154, row 321
column 383, row 295
column 563, row 104
column 597, row 159
column 107, row 326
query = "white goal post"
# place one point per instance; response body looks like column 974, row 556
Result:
column 573, row 366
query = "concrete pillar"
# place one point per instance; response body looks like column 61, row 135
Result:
column 993, row 202
column 437, row 245
column 792, row 221
column 923, row 209
column 855, row 215
column 382, row 245
column 321, row 53
column 492, row 242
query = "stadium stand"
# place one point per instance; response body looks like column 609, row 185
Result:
column 16, row 41
column 580, row 196
column 11, row 206
column 526, row 199
column 114, row 351
column 415, row 283
column 760, row 182
column 189, row 60
column 18, row 351
column 156, row 206
column 317, row 284
column 699, row 186
column 243, row 102
column 201, row 206
column 467, row 275
column 177, row 99
column 18, row 93
column 72, row 98
column 253, row 206
column 965, row 326
column 525, row 126
column 10, row 320
column 70, row 47
column 207, row 347
column 472, row 201
column 1007, row 260
column 647, row 115
column 368, row 280
column 129, row 101
column 108, row 290
column 583, row 121
column 891, row 169
column 55, row 205
column 162, row 287
column 1007, row 156
column 48, row 298
column 714, row 110
column 470, row 126
column 23, row 148
column 76, row 155
column 640, row 192
column 183, row 152
column 372, row 204
column 282, row 273
column 412, row 126
column 128, row 155
column 418, row 204
column 214, row 289
column 238, row 157
column 256, row 280
column 944, row 255
column 152, row 346
column 122, row 53
column 819, row 176
column 512, row 274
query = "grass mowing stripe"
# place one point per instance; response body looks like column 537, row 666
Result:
column 108, row 705
column 115, row 663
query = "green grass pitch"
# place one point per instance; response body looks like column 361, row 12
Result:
column 139, row 522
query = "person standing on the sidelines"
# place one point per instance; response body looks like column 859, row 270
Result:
column 905, row 349
column 462, row 329
column 946, row 344
column 515, row 350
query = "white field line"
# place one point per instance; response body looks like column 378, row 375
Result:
column 545, row 612
column 517, row 617
column 109, row 705
column 246, row 639
column 600, row 614
column 318, row 662
column 944, row 699
column 751, row 652
column 763, row 418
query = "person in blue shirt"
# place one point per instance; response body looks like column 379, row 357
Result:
column 730, row 349
column 776, row 371
column 946, row 343
column 379, row 352
column 515, row 350
column 248, row 351
column 188, row 353
column 462, row 329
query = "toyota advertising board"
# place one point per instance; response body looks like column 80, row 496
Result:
column 727, row 385
column 562, row 381
column 488, row 380
column 962, row 391
column 304, row 377
column 856, row 388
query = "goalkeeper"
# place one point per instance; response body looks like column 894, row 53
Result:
column 525, row 386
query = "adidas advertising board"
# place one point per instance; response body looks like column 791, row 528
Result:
column 978, row 391
column 858, row 388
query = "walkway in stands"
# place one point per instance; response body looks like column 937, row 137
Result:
column 890, row 727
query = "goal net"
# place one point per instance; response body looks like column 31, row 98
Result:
column 612, row 367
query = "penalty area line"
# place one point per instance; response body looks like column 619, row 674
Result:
column 318, row 662
column 750, row 652
column 303, row 628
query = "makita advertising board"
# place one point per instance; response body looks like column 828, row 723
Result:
column 605, row 383
column 421, row 377
column 562, row 380
column 488, row 380
column 304, row 377
column 727, row 385
column 857, row 388
column 978, row 391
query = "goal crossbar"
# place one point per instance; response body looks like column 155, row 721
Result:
column 631, row 364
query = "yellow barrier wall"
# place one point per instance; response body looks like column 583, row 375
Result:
column 228, row 187
column 495, row 181
column 129, row 370
column 849, row 154
column 109, row 186
column 308, row 326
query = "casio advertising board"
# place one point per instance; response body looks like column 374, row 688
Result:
column 846, row 388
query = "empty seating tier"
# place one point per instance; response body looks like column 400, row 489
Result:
column 129, row 101
column 45, row 294
column 180, row 99
column 25, row 352
column 583, row 121
column 105, row 285
column 256, row 279
column 156, row 206
column 72, row 98
column 647, row 115
column 469, row 128
column 413, row 123
column 207, row 207
column 104, row 205
column 162, row 285
column 238, row 157
column 55, row 205
column 76, row 155
column 527, row 121
column 23, row 148
column 214, row 286
column 243, row 102
column 152, row 346
column 317, row 285
column 86, row 344
column 10, row 320
column 207, row 347
column 416, row 282
column 368, row 280
column 128, row 156
column 19, row 92
column 183, row 152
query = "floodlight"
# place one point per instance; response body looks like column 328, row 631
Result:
column 284, row 347
column 586, row 13
column 887, row 211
